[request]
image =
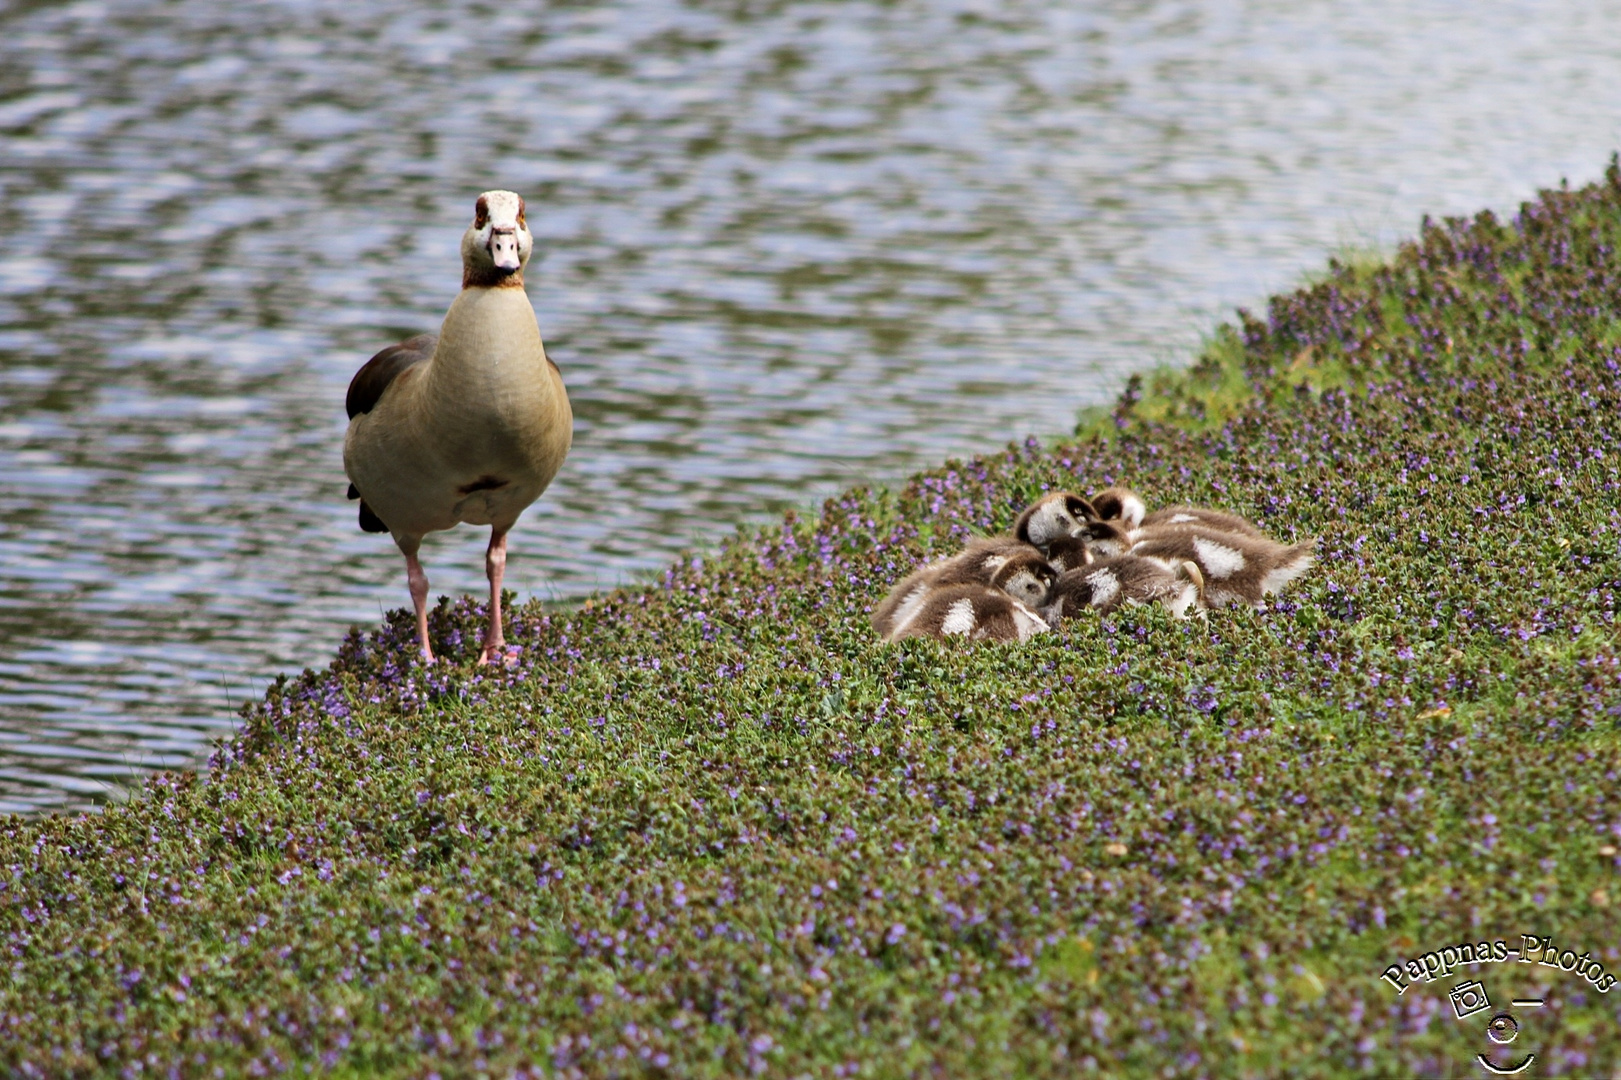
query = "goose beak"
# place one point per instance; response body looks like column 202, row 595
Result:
column 503, row 248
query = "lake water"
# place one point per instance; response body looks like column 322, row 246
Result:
column 781, row 248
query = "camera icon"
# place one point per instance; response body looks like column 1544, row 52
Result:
column 1469, row 998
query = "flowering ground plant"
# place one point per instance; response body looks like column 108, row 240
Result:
column 711, row 826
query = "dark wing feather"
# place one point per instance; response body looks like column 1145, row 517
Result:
column 367, row 387
column 370, row 522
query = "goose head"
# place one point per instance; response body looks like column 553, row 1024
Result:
column 497, row 245
column 1069, row 553
column 1054, row 515
column 1027, row 578
column 1118, row 503
column 1106, row 539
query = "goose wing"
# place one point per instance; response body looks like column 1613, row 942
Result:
column 366, row 388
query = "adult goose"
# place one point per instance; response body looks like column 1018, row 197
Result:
column 467, row 425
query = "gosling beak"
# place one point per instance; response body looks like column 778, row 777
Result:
column 503, row 248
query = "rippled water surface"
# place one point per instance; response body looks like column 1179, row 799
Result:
column 783, row 247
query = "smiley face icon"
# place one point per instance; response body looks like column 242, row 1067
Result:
column 1502, row 1029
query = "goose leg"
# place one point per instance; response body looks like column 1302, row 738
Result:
column 418, row 580
column 495, row 565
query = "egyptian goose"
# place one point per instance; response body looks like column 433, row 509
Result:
column 998, row 562
column 1055, row 515
column 468, row 425
column 1238, row 569
column 972, row 611
column 1127, row 579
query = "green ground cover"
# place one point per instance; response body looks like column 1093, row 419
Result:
column 712, row 827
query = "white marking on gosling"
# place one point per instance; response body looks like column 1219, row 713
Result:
column 959, row 618
column 1050, row 523
column 1184, row 599
column 1132, row 510
column 1029, row 624
column 1221, row 560
column 1179, row 518
column 1104, row 586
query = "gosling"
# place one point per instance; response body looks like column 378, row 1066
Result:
column 997, row 562
column 1054, row 516
column 972, row 611
column 1120, row 504
column 1069, row 553
column 1237, row 569
column 1108, row 584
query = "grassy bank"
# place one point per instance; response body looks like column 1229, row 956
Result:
column 712, row 826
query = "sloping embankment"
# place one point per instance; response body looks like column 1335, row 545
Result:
column 713, row 826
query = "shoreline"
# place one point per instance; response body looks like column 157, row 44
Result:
column 710, row 826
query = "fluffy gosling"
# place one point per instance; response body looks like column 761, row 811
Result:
column 1054, row 516
column 1238, row 569
column 972, row 611
column 1108, row 584
column 999, row 562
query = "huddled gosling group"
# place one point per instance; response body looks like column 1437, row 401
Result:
column 1067, row 554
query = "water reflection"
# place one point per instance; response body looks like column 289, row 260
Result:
column 781, row 248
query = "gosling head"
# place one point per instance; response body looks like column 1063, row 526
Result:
column 1123, row 504
column 1027, row 578
column 1054, row 515
column 1069, row 553
column 497, row 245
column 1107, row 539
